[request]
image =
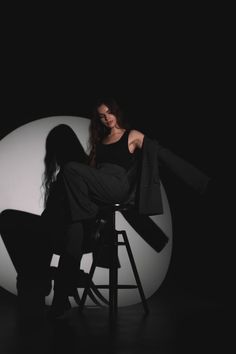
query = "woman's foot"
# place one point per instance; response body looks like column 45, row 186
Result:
column 58, row 308
column 60, row 302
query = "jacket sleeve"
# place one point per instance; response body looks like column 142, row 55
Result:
column 148, row 192
column 188, row 173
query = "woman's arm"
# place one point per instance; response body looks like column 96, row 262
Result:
column 135, row 140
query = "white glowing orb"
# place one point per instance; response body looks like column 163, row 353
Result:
column 21, row 165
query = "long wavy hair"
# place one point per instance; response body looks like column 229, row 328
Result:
column 97, row 131
column 62, row 146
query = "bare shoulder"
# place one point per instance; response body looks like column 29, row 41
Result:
column 135, row 139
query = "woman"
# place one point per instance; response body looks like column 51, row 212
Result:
column 106, row 179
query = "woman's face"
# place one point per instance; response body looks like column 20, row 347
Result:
column 107, row 118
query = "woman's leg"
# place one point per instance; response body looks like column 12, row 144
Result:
column 68, row 270
column 86, row 187
column 79, row 186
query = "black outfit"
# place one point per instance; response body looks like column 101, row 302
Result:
column 88, row 187
column 116, row 153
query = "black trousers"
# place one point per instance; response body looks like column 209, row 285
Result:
column 87, row 187
column 64, row 225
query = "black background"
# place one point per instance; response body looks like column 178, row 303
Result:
column 165, row 69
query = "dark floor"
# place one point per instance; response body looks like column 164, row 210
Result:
column 179, row 322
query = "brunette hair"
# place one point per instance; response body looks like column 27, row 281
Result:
column 97, row 131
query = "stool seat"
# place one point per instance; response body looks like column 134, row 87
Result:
column 107, row 209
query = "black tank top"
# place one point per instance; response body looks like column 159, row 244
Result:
column 116, row 153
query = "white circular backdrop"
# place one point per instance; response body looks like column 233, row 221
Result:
column 21, row 164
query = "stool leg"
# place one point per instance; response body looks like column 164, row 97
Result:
column 90, row 276
column 131, row 257
column 113, row 276
column 86, row 290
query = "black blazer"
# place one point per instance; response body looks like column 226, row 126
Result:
column 148, row 193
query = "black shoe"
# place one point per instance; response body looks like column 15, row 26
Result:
column 81, row 281
column 58, row 309
column 60, row 302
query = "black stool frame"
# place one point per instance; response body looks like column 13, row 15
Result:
column 113, row 285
